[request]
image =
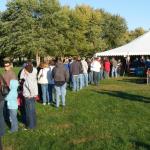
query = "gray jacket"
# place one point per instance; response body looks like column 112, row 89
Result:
column 30, row 88
column 60, row 73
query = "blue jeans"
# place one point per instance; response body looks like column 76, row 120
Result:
column 45, row 93
column 95, row 77
column 75, row 80
column 91, row 77
column 51, row 92
column 106, row 75
column 81, row 82
column 60, row 91
column 2, row 122
column 30, row 112
column 13, row 119
column 101, row 74
column 85, row 79
column 114, row 72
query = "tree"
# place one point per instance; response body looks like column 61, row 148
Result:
column 114, row 29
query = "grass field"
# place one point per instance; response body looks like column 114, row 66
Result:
column 113, row 116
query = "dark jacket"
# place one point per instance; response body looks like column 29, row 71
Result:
column 75, row 68
column 1, row 97
column 9, row 75
column 2, row 123
column 60, row 73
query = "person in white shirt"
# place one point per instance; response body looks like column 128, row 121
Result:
column 95, row 67
column 85, row 72
column 44, row 78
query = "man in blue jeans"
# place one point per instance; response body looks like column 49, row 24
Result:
column 75, row 69
column 61, row 76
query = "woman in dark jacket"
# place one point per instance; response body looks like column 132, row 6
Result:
column 2, row 123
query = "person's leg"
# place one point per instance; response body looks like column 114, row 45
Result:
column 30, row 113
column 77, row 83
column 1, row 146
column 33, row 114
column 63, row 94
column 50, row 89
column 116, row 72
column 96, row 78
column 13, row 120
column 43, row 88
column 58, row 93
column 2, row 122
column 86, row 79
column 80, row 82
column 74, row 82
column 47, row 93
column 112, row 72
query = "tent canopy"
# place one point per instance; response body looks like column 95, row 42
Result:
column 139, row 46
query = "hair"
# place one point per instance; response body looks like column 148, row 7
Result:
column 29, row 67
column 45, row 65
column 7, row 62
column 58, row 59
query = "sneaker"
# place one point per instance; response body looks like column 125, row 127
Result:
column 25, row 129
column 44, row 103
column 63, row 107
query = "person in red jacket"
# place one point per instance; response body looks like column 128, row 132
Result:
column 106, row 68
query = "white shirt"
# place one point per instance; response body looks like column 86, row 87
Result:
column 44, row 76
column 95, row 66
column 84, row 66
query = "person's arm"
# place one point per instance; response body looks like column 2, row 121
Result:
column 40, row 74
column 67, row 75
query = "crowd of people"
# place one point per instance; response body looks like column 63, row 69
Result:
column 47, row 83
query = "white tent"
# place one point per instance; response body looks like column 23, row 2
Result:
column 139, row 46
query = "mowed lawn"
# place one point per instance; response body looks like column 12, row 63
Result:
column 113, row 116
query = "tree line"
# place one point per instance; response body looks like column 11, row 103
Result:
column 43, row 27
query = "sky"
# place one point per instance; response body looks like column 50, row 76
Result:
column 135, row 12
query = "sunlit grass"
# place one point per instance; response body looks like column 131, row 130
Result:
column 113, row 116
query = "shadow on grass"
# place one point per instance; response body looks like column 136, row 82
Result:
column 141, row 80
column 141, row 145
column 125, row 96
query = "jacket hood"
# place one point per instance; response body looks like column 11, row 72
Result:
column 59, row 65
column 13, row 84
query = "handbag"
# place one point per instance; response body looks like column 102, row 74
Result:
column 5, row 90
column 4, row 87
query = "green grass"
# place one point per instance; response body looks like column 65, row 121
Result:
column 112, row 116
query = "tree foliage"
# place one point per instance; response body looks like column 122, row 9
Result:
column 29, row 27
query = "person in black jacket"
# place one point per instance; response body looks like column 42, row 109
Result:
column 2, row 122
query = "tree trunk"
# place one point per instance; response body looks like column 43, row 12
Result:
column 37, row 59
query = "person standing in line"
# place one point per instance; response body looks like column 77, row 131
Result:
column 2, row 122
column 85, row 72
column 106, row 68
column 81, row 79
column 10, row 105
column 114, row 68
column 30, row 91
column 90, row 73
column 95, row 67
column 61, row 76
column 44, row 79
column 75, row 68
column 51, row 84
column 70, row 75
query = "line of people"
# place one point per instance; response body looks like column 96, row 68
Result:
column 49, row 81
